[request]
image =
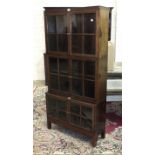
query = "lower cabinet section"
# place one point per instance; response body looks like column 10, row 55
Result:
column 78, row 114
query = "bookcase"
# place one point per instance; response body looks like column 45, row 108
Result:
column 76, row 68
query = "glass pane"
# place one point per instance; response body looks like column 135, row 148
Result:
column 76, row 68
column 52, row 42
column 62, row 43
column 61, row 105
column 75, row 108
column 77, row 23
column 63, row 66
column 52, row 102
column 89, row 69
column 89, row 88
column 51, row 23
column 64, row 84
column 86, row 123
column 86, row 112
column 77, row 86
column 89, row 23
column 53, row 112
column 61, row 24
column 76, row 44
column 89, row 44
column 53, row 65
column 75, row 120
column 54, row 82
column 62, row 115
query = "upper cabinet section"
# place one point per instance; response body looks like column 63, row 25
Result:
column 72, row 31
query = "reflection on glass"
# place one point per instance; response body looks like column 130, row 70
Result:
column 57, row 24
column 54, row 82
column 89, row 69
column 64, row 84
column 77, row 86
column 76, row 43
column 52, row 42
column 62, row 43
column 53, row 65
column 77, row 23
column 61, row 24
column 89, row 23
column 63, row 66
column 51, row 22
column 89, row 44
column 89, row 88
column 86, row 112
column 76, row 68
column 75, row 119
column 86, row 123
column 75, row 108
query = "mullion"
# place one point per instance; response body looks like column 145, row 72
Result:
column 69, row 37
column 58, row 74
column 80, row 114
column 57, row 46
column 83, row 78
column 70, row 77
column 64, row 76
column 82, row 32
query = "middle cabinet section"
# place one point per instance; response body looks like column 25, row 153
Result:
column 72, row 76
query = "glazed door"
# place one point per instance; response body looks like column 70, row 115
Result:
column 81, row 115
column 59, row 74
column 83, row 78
column 74, row 112
column 57, row 27
column 83, row 33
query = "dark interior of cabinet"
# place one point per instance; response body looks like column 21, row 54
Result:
column 80, row 80
column 81, row 115
column 57, row 33
column 57, row 108
column 83, row 33
column 78, row 115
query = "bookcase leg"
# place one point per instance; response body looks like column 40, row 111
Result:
column 49, row 126
column 94, row 140
column 103, row 134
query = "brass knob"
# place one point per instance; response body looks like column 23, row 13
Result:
column 68, row 9
column 69, row 98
